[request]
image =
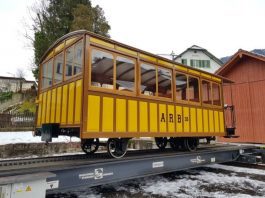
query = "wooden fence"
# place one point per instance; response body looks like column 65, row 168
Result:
column 17, row 122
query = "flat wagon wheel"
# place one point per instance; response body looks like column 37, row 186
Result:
column 161, row 142
column 116, row 147
column 176, row 143
column 191, row 144
column 90, row 146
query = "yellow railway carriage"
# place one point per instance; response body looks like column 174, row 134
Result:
column 93, row 87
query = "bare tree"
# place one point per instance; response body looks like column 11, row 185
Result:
column 20, row 73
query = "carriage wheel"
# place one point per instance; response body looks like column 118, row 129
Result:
column 117, row 148
column 161, row 142
column 191, row 144
column 176, row 143
column 90, row 146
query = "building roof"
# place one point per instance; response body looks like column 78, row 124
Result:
column 198, row 48
column 17, row 78
column 237, row 57
column 11, row 78
column 80, row 33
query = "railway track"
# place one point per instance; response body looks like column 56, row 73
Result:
column 59, row 173
column 54, row 162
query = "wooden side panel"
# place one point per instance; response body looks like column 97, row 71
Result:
column 43, row 107
column 121, row 117
column 162, row 118
column 53, row 106
column 78, row 100
column 58, row 105
column 107, row 114
column 39, row 111
column 186, row 115
column 48, row 107
column 243, row 110
column 93, row 113
column 216, row 122
column 179, row 119
column 248, row 92
column 257, row 94
column 193, row 120
column 64, row 104
column 221, row 122
column 211, row 121
column 132, row 116
column 171, row 118
column 205, row 121
column 71, row 95
column 143, row 117
column 153, row 117
column 199, row 121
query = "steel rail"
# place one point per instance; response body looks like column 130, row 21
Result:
column 41, row 161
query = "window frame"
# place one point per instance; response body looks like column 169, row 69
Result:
column 53, row 75
column 220, row 94
column 140, row 80
column 171, row 71
column 175, row 90
column 64, row 65
column 135, row 74
column 184, row 61
column 156, row 97
column 90, row 71
column 188, row 100
column 199, row 86
column 205, row 104
column 41, row 73
column 115, row 55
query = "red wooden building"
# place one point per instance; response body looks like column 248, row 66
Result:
column 247, row 94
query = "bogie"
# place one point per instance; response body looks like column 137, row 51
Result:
column 90, row 146
column 161, row 142
column 117, row 147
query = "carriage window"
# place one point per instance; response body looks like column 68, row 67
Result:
column 58, row 68
column 194, row 89
column 102, row 69
column 69, row 62
column 78, row 58
column 47, row 74
column 148, row 79
column 206, row 92
column 216, row 94
column 181, row 87
column 164, row 82
column 125, row 70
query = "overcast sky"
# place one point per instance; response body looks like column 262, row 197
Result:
column 157, row 26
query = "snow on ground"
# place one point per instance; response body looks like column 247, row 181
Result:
column 238, row 169
column 27, row 137
column 218, row 181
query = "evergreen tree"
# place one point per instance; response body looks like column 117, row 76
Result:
column 55, row 18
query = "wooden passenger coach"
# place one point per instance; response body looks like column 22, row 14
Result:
column 93, row 87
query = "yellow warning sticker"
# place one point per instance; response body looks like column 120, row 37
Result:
column 28, row 189
column 19, row 190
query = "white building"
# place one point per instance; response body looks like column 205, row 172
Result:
column 199, row 58
column 13, row 84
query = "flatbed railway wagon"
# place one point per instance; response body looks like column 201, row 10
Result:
column 93, row 87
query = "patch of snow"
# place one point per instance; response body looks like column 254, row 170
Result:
column 27, row 137
column 204, row 184
column 237, row 169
